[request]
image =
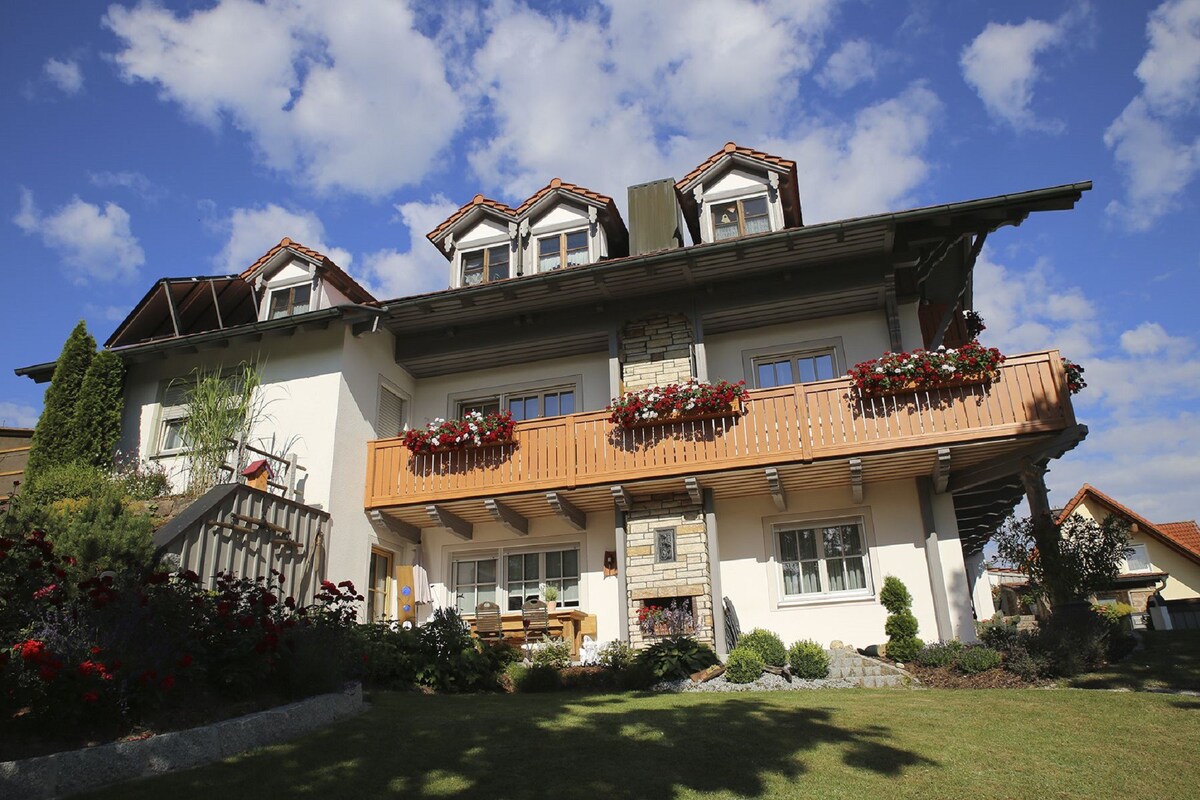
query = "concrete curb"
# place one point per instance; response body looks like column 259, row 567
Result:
column 60, row 774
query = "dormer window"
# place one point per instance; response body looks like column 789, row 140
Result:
column 289, row 300
column 484, row 266
column 733, row 218
column 569, row 249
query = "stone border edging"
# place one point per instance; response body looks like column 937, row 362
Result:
column 59, row 774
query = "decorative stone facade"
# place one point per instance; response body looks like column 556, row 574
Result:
column 656, row 351
column 687, row 576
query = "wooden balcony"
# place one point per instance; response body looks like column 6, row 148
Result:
column 788, row 425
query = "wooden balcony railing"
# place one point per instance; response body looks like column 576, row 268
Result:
column 801, row 423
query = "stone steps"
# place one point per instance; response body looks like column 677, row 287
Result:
column 847, row 664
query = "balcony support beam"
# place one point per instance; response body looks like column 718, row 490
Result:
column 775, row 485
column 695, row 493
column 507, row 516
column 575, row 516
column 622, row 498
column 445, row 518
column 856, row 480
column 397, row 527
column 941, row 470
column 1011, row 466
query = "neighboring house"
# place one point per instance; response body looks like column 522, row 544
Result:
column 14, row 453
column 1165, row 557
column 794, row 511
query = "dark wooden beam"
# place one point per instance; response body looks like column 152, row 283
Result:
column 385, row 524
column 575, row 517
column 444, row 518
column 507, row 516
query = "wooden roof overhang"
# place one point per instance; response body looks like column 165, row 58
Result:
column 177, row 307
column 819, row 270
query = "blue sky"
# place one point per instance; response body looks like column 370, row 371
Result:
column 144, row 140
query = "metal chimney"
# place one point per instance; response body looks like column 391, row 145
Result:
column 655, row 219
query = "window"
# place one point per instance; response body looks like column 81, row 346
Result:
column 173, row 417
column 562, row 250
column 525, row 576
column 825, row 559
column 484, row 266
column 733, row 218
column 392, row 411
column 289, row 300
column 1137, row 560
column 526, row 404
column 379, row 589
column 664, row 545
column 788, row 368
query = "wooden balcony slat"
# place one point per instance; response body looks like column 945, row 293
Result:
column 780, row 425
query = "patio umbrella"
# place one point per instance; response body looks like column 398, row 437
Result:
column 421, row 593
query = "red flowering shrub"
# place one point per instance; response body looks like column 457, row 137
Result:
column 1075, row 381
column 676, row 400
column 925, row 369
column 475, row 429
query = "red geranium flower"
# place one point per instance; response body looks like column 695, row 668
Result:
column 90, row 697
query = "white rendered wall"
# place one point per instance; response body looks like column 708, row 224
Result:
column 863, row 336
column 752, row 578
column 597, row 594
column 954, row 573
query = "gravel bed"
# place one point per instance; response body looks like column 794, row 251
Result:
column 767, row 682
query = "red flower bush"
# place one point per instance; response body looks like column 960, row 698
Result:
column 925, row 369
column 475, row 429
column 1075, row 381
column 675, row 401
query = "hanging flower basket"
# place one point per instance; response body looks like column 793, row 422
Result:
column 677, row 402
column 944, row 368
column 473, row 430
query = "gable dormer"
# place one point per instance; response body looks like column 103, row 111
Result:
column 291, row 279
column 739, row 192
column 564, row 225
column 480, row 242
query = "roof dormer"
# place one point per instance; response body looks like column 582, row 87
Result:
column 292, row 279
column 739, row 192
column 480, row 242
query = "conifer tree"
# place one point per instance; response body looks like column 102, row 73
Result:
column 53, row 441
column 96, row 424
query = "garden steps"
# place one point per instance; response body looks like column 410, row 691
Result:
column 847, row 664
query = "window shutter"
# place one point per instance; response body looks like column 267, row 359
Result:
column 391, row 413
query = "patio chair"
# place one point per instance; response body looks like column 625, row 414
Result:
column 487, row 622
column 535, row 620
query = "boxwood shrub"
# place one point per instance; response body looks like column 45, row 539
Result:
column 743, row 665
column 809, row 660
column 767, row 644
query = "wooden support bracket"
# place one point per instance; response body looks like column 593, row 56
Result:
column 507, row 516
column 447, row 519
column 693, row 489
column 941, row 470
column 575, row 516
column 775, row 485
column 398, row 527
column 856, row 479
column 622, row 498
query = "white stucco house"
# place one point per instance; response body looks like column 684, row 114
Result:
column 793, row 511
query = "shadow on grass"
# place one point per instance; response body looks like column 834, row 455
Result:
column 550, row 746
column 1168, row 659
column 1187, row 705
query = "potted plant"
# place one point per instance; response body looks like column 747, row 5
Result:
column 677, row 402
column 550, row 594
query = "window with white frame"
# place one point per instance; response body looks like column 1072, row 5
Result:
column 525, row 404
column 568, row 249
column 287, row 301
column 516, row 576
column 803, row 366
column 824, row 559
column 733, row 218
column 173, row 417
column 485, row 265
column 1137, row 559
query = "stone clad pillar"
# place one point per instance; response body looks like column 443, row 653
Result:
column 656, row 351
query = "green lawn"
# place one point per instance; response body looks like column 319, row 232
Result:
column 925, row 744
column 1168, row 660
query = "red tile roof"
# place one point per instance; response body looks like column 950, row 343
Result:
column 559, row 183
column 477, row 200
column 1181, row 536
column 333, row 273
column 728, row 149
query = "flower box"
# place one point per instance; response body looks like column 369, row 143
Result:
column 677, row 402
column 922, row 370
column 914, row 386
column 475, row 429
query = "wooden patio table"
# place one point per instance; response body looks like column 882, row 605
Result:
column 565, row 624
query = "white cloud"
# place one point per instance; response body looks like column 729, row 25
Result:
column 1144, row 440
column 135, row 182
column 254, row 231
column 341, row 96
column 392, row 273
column 94, row 243
column 852, row 64
column 1151, row 140
column 17, row 415
column 1001, row 66
column 66, row 75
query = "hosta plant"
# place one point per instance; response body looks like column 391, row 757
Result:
column 675, row 401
